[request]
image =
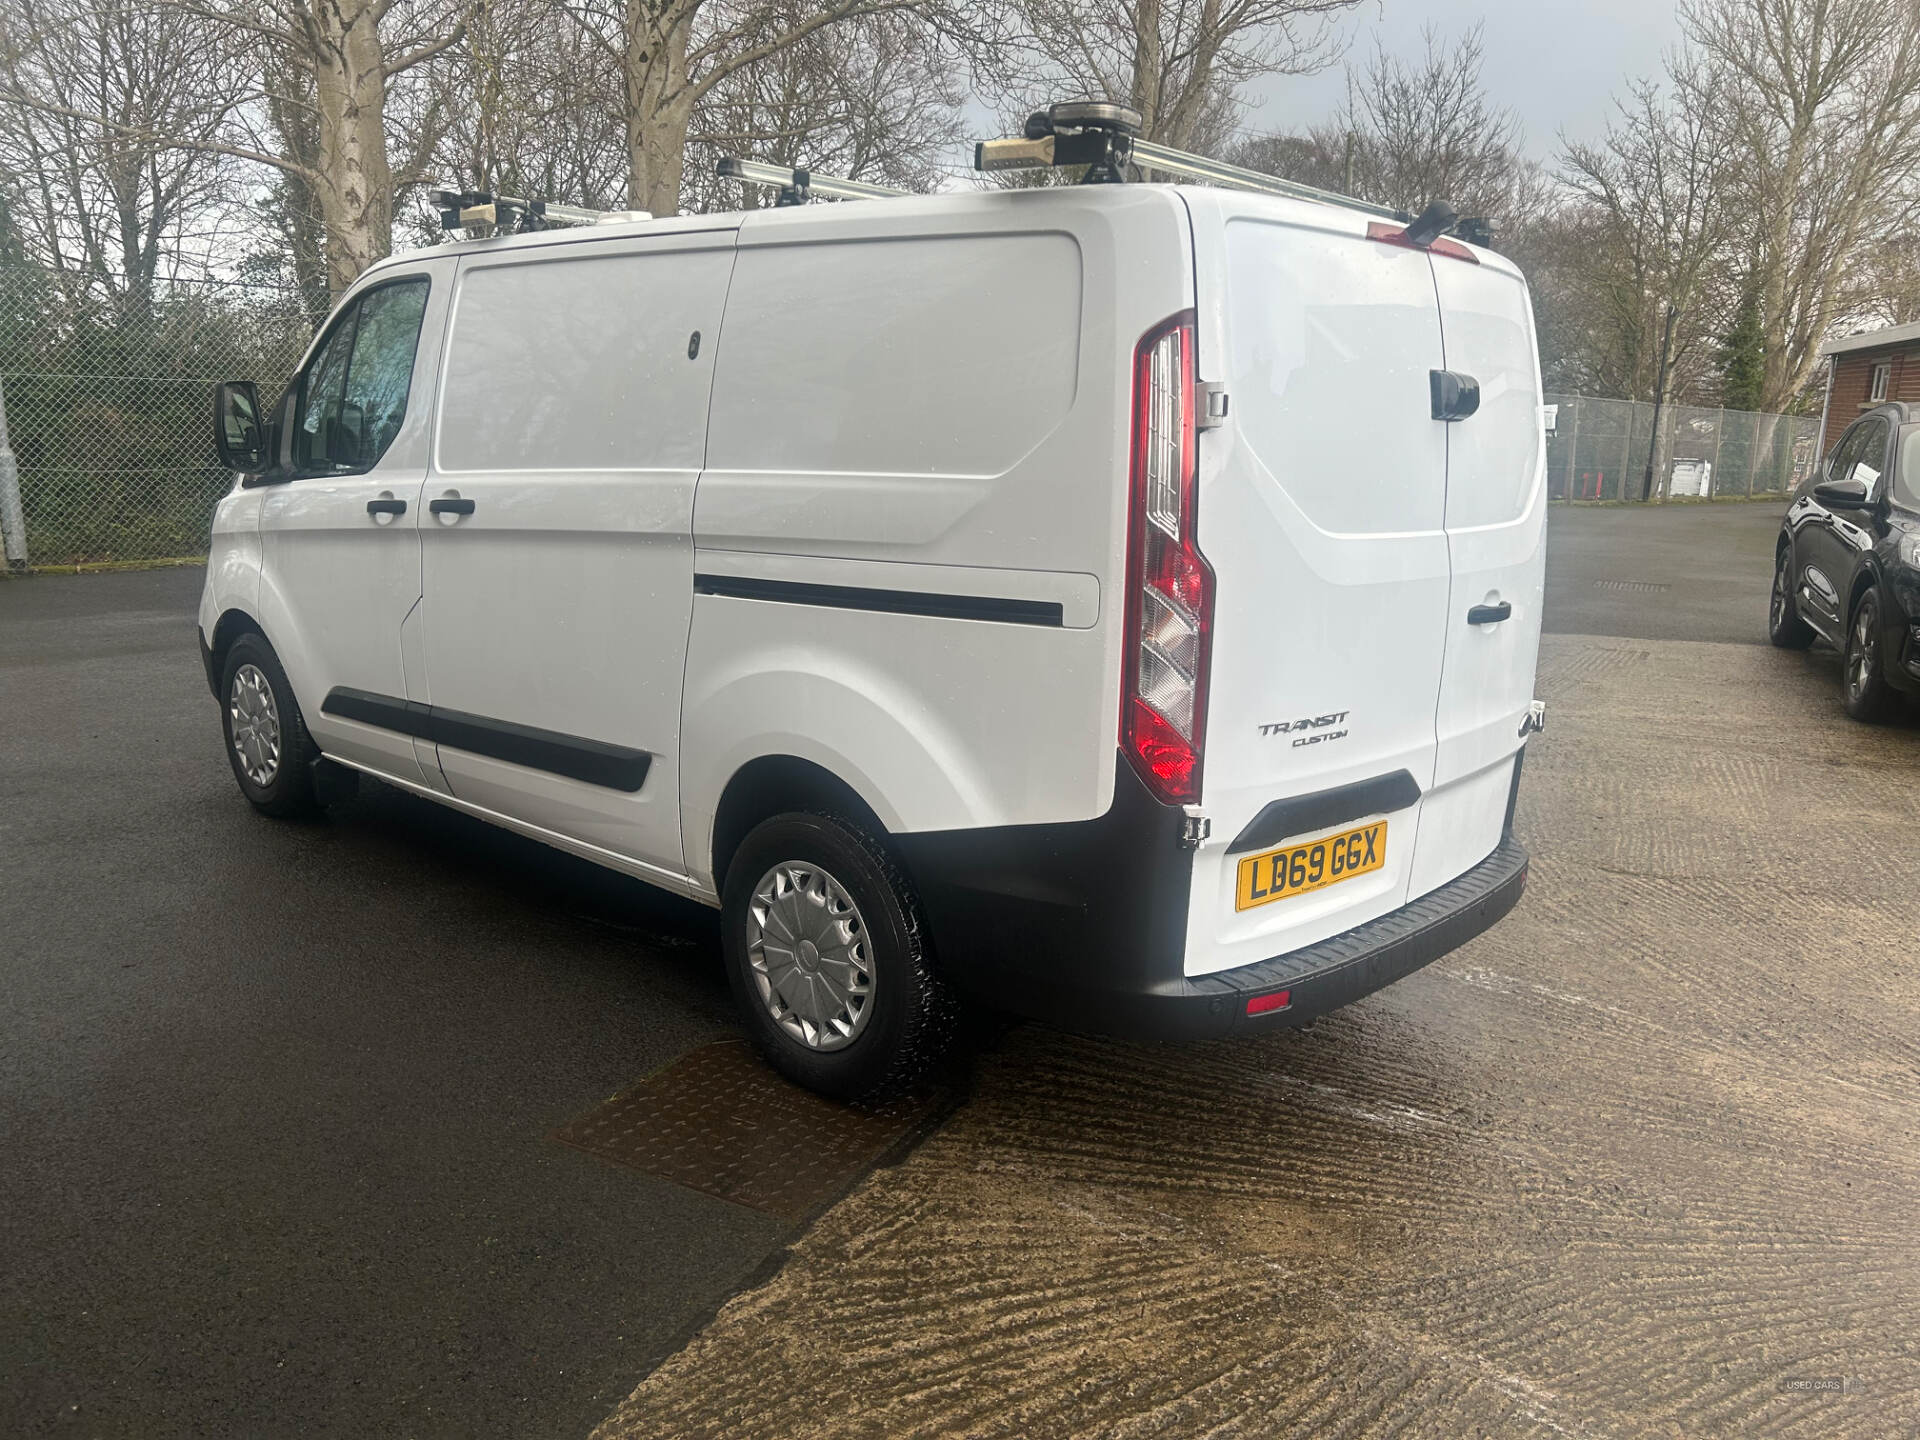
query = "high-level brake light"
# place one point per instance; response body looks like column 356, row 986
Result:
column 1169, row 583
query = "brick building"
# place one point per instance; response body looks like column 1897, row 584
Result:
column 1866, row 369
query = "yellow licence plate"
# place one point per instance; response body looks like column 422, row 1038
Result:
column 1296, row 869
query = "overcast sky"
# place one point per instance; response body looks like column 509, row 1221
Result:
column 1555, row 62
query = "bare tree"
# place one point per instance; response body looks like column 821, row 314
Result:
column 1409, row 134
column 674, row 54
column 1180, row 63
column 1657, row 189
column 1822, row 109
column 109, row 208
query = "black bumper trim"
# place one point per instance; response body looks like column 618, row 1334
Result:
column 1319, row 977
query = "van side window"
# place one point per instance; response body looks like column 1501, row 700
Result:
column 354, row 394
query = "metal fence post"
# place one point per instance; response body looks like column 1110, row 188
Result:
column 1573, row 453
column 13, row 519
column 1626, row 450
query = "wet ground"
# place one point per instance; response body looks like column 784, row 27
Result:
column 306, row 1129
column 1642, row 1160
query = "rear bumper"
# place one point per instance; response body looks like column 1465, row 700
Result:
column 1083, row 926
column 1336, row 971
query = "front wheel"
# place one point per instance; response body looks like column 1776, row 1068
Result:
column 1864, row 684
column 828, row 959
column 1784, row 625
column 267, row 742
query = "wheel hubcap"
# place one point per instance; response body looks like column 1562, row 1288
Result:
column 1864, row 652
column 808, row 952
column 254, row 722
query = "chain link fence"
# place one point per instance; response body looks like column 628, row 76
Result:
column 108, row 407
column 1598, row 449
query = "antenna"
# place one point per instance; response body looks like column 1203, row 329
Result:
column 798, row 186
column 1105, row 137
column 460, row 209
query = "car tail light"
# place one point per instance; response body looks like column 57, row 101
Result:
column 1169, row 584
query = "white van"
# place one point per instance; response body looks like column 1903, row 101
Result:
column 1104, row 601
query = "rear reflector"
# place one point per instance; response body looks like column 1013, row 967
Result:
column 1263, row 1004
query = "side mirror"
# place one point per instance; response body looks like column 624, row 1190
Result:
column 1848, row 494
column 238, row 433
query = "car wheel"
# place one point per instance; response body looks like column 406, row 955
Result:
column 1864, row 684
column 828, row 958
column 1784, row 625
column 267, row 742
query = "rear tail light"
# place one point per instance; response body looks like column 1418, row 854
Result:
column 1169, row 584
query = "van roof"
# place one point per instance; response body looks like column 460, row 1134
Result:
column 881, row 216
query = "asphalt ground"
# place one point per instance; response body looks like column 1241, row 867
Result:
column 276, row 1099
column 277, row 1103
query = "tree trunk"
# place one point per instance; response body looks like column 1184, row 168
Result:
column 355, row 192
column 659, row 102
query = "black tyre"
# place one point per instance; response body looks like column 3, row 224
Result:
column 829, row 961
column 267, row 742
column 1863, row 683
column 1784, row 625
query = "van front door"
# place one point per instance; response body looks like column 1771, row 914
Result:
column 340, row 555
column 1496, row 539
column 556, row 532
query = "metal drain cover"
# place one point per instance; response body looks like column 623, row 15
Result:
column 1638, row 587
column 719, row 1121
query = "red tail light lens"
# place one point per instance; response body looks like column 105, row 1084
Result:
column 1169, row 584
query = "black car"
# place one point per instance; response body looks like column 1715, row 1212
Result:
column 1847, row 564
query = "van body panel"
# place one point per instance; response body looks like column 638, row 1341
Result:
column 929, row 397
column 573, row 417
column 1322, row 506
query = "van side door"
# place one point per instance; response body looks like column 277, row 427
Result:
column 556, row 533
column 340, row 554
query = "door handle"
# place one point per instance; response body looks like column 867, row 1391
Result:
column 386, row 507
column 450, row 505
column 1455, row 396
column 1489, row 614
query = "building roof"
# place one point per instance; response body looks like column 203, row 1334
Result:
column 1874, row 339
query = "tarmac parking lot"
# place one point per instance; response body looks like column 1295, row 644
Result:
column 300, row 1121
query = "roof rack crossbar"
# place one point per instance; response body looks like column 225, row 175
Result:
column 1105, row 138
column 462, row 208
column 797, row 186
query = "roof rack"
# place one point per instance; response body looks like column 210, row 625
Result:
column 797, row 186
column 1105, row 138
column 461, row 209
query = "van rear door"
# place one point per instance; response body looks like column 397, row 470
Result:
column 1322, row 509
column 1496, row 536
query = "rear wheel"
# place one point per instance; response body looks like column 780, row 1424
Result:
column 267, row 742
column 828, row 958
column 1863, row 682
column 1784, row 625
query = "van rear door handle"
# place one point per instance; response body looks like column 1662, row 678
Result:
column 386, row 507
column 1455, row 396
column 1489, row 614
column 454, row 505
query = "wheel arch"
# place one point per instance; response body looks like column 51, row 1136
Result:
column 1866, row 580
column 770, row 785
column 232, row 624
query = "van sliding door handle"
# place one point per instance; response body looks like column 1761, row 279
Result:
column 1489, row 614
column 453, row 505
column 386, row 507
